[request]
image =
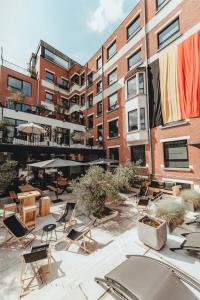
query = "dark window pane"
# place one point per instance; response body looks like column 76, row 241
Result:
column 113, row 128
column 14, row 83
column 112, row 77
column 90, row 100
column 27, row 88
column 99, row 131
column 176, row 154
column 133, row 27
column 141, row 83
column 48, row 97
column 75, row 79
column 138, row 155
column 131, row 87
column 111, row 50
column 142, row 118
column 114, row 153
column 113, row 101
column 168, row 32
column 99, row 108
column 99, row 87
column 49, row 76
column 90, row 122
column 133, row 120
column 90, row 78
column 134, row 59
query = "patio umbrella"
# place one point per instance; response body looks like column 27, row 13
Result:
column 31, row 128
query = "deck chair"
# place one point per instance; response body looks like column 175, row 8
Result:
column 191, row 242
column 195, row 221
column 142, row 193
column 142, row 277
column 18, row 231
column 31, row 267
column 68, row 215
column 80, row 237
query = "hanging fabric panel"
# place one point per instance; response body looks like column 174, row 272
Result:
column 155, row 112
column 189, row 76
column 169, row 87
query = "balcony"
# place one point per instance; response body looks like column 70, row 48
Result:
column 137, row 136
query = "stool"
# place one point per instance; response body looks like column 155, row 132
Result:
column 29, row 215
column 44, row 206
column 49, row 229
column 9, row 207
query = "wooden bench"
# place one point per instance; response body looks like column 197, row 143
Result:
column 175, row 191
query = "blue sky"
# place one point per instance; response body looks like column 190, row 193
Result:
column 76, row 27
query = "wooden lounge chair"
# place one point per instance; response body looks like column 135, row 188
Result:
column 142, row 277
column 68, row 215
column 191, row 242
column 81, row 237
column 18, row 231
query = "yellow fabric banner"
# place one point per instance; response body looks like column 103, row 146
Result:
column 169, row 87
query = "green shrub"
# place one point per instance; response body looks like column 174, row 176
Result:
column 7, row 174
column 124, row 176
column 191, row 196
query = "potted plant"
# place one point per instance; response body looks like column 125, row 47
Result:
column 191, row 199
column 123, row 176
column 152, row 231
column 172, row 211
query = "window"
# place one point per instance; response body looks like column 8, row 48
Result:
column 99, row 86
column 176, row 154
column 134, row 59
column 83, row 100
column 132, row 87
column 75, row 117
column 90, row 122
column 141, row 83
column 113, row 101
column 159, row 3
column 99, row 132
column 74, row 100
column 133, row 27
column 56, row 59
column 90, row 100
column 133, row 120
column 63, row 83
column 112, row 77
column 142, row 118
column 90, row 78
column 167, row 33
column 112, row 49
column 19, row 106
column 49, row 76
column 99, row 108
column 113, row 128
column 65, row 102
column 90, row 142
column 99, row 63
column 82, row 79
column 48, row 97
column 17, row 85
column 75, row 79
column 138, row 155
column 114, row 153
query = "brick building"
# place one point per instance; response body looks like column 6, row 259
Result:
column 114, row 97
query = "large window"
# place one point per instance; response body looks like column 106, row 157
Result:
column 138, row 155
column 90, row 122
column 63, row 83
column 167, row 33
column 99, row 86
column 133, row 27
column 134, row 59
column 90, row 100
column 142, row 118
column 99, row 63
column 48, row 97
column 131, row 87
column 49, row 76
column 176, row 154
column 56, row 59
column 75, row 79
column 114, row 153
column 113, row 101
column 133, row 120
column 112, row 49
column 17, row 85
column 113, row 128
column 99, row 108
column 112, row 77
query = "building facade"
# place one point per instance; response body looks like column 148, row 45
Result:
column 132, row 98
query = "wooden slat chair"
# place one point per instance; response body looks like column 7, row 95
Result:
column 18, row 231
column 68, row 215
column 81, row 237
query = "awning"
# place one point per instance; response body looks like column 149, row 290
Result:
column 56, row 163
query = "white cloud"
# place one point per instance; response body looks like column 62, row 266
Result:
column 107, row 13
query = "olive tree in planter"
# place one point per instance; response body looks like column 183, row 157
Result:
column 7, row 174
column 191, row 197
column 123, row 176
column 93, row 188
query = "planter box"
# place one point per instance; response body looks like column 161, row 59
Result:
column 154, row 237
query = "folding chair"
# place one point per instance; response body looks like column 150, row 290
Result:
column 80, row 237
column 68, row 215
column 191, row 242
column 18, row 231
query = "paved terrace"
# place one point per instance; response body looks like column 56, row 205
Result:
column 73, row 271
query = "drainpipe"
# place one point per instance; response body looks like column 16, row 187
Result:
column 147, row 90
column 103, row 117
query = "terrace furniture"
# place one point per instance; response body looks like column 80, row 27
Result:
column 191, row 242
column 142, row 277
column 32, row 260
column 142, row 192
column 49, row 229
column 26, row 188
column 23, row 195
column 164, row 187
column 18, row 231
column 28, row 210
column 13, row 196
column 80, row 237
column 68, row 215
column 44, row 206
column 55, row 190
column 9, row 207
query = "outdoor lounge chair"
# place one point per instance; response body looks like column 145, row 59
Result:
column 191, row 242
column 81, row 237
column 18, row 231
column 145, row 278
column 68, row 215
column 195, row 221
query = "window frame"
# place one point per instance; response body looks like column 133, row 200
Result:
column 109, row 47
column 88, row 122
column 48, row 79
column 108, row 76
column 116, row 134
column 99, row 104
column 100, row 82
column 167, row 161
column 129, row 126
column 141, row 149
column 48, row 100
column 142, row 123
column 130, row 24
column 111, row 149
column 113, row 107
column 167, row 41
column 97, row 63
column 89, row 100
column 88, row 76
column 137, row 62
column 14, row 89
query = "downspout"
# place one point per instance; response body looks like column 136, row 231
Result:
column 102, row 78
column 147, row 91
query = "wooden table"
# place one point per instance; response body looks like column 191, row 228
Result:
column 27, row 188
column 27, row 194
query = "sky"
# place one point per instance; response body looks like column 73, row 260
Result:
column 76, row 27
